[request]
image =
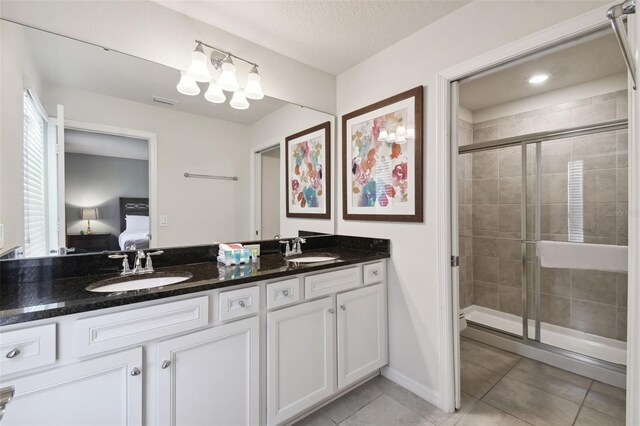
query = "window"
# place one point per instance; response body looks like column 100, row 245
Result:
column 34, row 178
column 575, row 190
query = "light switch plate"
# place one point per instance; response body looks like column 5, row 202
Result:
column 164, row 221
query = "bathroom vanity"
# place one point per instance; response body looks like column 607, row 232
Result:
column 256, row 344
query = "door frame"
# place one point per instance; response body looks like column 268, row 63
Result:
column 152, row 141
column 255, row 185
column 449, row 343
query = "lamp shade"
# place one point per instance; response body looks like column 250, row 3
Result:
column 239, row 101
column 253, row 90
column 187, row 85
column 89, row 213
column 227, row 80
column 198, row 69
column 214, row 93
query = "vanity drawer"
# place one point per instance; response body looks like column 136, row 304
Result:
column 27, row 348
column 282, row 293
column 373, row 273
column 331, row 282
column 239, row 303
column 126, row 328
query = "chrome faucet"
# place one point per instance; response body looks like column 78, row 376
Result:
column 148, row 266
column 297, row 245
column 137, row 265
column 125, row 263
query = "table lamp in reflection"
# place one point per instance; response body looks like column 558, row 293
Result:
column 89, row 214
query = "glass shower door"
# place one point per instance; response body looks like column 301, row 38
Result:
column 577, row 194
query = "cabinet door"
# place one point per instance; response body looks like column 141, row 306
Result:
column 212, row 376
column 300, row 358
column 362, row 333
column 101, row 391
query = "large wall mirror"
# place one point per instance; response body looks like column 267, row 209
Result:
column 100, row 152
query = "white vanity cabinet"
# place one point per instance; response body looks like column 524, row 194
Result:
column 106, row 390
column 362, row 333
column 300, row 358
column 211, row 376
column 316, row 349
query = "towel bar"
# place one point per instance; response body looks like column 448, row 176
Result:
column 193, row 175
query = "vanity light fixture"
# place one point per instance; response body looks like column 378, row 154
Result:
column 383, row 136
column 239, row 101
column 198, row 69
column 222, row 61
column 187, row 85
column 538, row 78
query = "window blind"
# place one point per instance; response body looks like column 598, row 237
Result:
column 34, row 179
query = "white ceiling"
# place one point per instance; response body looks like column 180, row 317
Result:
column 80, row 142
column 328, row 35
column 586, row 60
column 70, row 63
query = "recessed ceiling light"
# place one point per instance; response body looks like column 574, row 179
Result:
column 538, row 78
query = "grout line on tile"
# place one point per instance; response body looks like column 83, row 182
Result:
column 582, row 403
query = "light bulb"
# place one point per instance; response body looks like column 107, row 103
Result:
column 227, row 80
column 198, row 70
column 239, row 101
column 214, row 93
column 253, row 90
column 383, row 135
column 187, row 85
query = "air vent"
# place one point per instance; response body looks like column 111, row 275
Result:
column 165, row 101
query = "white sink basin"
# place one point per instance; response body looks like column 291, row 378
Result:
column 121, row 284
column 312, row 259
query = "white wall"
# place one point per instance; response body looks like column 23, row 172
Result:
column 270, row 209
column 200, row 211
column 272, row 130
column 413, row 279
column 151, row 31
column 17, row 72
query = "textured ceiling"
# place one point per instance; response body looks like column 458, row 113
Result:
column 332, row 36
column 586, row 60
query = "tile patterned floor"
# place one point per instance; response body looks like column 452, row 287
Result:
column 499, row 389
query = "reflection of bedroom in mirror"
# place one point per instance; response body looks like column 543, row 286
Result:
column 111, row 155
column 107, row 181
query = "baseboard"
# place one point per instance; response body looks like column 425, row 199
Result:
column 422, row 391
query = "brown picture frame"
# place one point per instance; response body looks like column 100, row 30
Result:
column 326, row 171
column 418, row 94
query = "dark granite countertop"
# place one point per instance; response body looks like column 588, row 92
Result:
column 28, row 301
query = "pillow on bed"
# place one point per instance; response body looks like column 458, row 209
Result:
column 137, row 223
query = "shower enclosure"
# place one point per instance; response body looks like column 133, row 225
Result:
column 553, row 174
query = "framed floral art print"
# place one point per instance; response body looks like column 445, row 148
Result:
column 308, row 173
column 382, row 160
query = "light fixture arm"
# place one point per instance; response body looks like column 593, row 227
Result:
column 229, row 54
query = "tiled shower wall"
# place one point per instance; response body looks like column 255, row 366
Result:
column 490, row 184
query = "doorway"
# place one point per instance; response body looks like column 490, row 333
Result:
column 268, row 225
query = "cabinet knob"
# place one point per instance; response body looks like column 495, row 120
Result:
column 136, row 371
column 13, row 353
column 242, row 304
column 343, row 307
column 165, row 364
column 375, row 272
column 285, row 293
column 332, row 311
